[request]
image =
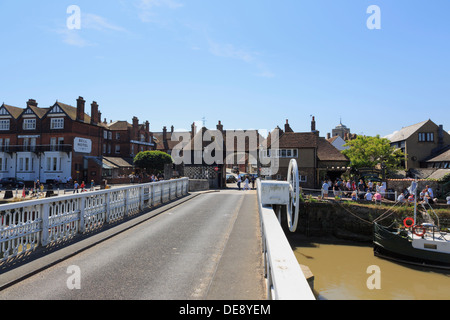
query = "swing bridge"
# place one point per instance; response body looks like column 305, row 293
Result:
column 154, row 241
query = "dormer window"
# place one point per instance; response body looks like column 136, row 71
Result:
column 29, row 124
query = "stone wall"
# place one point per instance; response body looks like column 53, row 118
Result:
column 198, row 185
column 348, row 222
column 400, row 184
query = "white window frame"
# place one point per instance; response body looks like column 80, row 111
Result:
column 53, row 164
column 29, row 124
column 57, row 123
column 4, row 124
column 26, row 164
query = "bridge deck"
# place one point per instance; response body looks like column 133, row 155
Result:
column 204, row 246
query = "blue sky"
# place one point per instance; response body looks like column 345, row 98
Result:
column 251, row 64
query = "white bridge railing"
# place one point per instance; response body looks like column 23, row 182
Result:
column 284, row 277
column 26, row 225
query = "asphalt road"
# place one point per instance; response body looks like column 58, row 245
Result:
column 206, row 248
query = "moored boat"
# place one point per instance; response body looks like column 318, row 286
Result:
column 424, row 244
column 432, row 249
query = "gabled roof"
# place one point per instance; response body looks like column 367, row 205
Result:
column 298, row 140
column 119, row 125
column 71, row 112
column 39, row 112
column 406, row 132
column 327, row 152
column 15, row 112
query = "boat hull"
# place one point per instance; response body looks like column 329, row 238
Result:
column 390, row 244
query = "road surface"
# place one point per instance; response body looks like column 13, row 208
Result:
column 207, row 248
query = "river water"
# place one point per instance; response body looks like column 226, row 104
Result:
column 341, row 272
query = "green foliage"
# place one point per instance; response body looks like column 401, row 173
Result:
column 369, row 152
column 152, row 161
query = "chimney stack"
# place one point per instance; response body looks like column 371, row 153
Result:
column 193, row 130
column 32, row 102
column 147, row 126
column 313, row 124
column 80, row 108
column 441, row 136
column 135, row 129
column 287, row 127
column 172, row 129
column 328, row 135
column 220, row 126
column 165, row 134
column 95, row 118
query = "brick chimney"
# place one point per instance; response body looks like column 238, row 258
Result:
column 287, row 127
column 147, row 126
column 313, row 124
column 135, row 128
column 95, row 118
column 193, row 130
column 32, row 102
column 220, row 126
column 80, row 108
column 172, row 129
column 165, row 134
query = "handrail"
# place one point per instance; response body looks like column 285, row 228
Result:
column 284, row 277
column 26, row 225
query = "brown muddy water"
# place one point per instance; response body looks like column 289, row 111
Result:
column 341, row 272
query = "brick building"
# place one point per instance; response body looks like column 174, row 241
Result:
column 54, row 143
column 316, row 157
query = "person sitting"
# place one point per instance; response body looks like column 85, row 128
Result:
column 368, row 195
column 401, row 198
column 377, row 198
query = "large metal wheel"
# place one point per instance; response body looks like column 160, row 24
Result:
column 294, row 198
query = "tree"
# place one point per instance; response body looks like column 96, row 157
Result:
column 152, row 161
column 373, row 152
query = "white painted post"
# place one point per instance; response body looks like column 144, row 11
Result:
column 82, row 203
column 125, row 202
column 152, row 193
column 44, row 214
column 141, row 198
column 108, row 207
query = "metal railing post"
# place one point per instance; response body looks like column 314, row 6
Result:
column 108, row 207
column 45, row 223
column 82, row 203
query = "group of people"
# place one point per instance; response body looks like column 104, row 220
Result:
column 425, row 196
column 349, row 188
column 247, row 180
column 82, row 187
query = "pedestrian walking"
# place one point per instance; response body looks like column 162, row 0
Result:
column 246, row 187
